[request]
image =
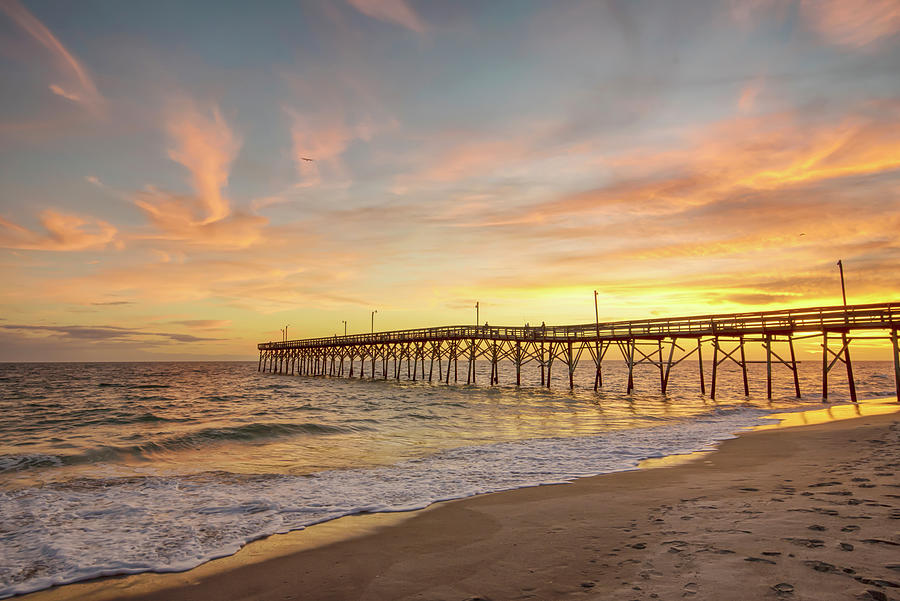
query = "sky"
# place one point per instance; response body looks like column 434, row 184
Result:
column 182, row 180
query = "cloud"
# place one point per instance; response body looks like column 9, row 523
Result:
column 854, row 23
column 84, row 91
column 206, row 146
column 113, row 303
column 63, row 233
column 204, row 324
column 391, row 11
column 765, row 152
column 103, row 333
column 175, row 216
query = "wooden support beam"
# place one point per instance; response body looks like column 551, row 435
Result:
column 665, row 382
column 850, row 381
column 794, row 367
column 825, row 367
column 769, row 366
column 715, row 367
column 744, row 367
column 700, row 358
column 519, row 364
column 550, row 357
column 571, row 364
column 659, row 355
column 542, row 363
column 632, row 343
column 431, row 363
column 895, row 342
column 450, row 353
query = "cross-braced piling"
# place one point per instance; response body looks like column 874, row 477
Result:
column 664, row 343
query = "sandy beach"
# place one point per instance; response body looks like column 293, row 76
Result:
column 788, row 513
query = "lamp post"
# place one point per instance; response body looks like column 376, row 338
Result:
column 285, row 332
column 477, row 320
column 843, row 290
column 373, row 320
column 345, row 326
column 596, row 313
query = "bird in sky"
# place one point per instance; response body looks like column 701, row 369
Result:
column 306, row 159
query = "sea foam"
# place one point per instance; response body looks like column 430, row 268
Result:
column 81, row 529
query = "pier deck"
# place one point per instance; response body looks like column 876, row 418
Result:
column 654, row 341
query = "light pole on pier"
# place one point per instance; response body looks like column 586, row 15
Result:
column 477, row 320
column 373, row 320
column 843, row 290
column 285, row 332
column 345, row 326
column 596, row 313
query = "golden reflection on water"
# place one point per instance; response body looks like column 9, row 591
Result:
column 833, row 413
column 811, row 417
column 670, row 460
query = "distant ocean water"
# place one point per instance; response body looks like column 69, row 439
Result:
column 112, row 468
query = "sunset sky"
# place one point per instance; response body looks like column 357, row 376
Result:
column 679, row 157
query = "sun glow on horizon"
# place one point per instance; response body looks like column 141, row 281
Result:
column 170, row 193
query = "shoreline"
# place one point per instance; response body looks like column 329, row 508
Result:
column 348, row 558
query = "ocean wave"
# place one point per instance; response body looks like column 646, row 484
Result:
column 197, row 439
column 25, row 461
column 164, row 524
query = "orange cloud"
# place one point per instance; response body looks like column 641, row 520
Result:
column 63, row 232
column 856, row 23
column 85, row 92
column 390, row 11
column 206, row 146
column 174, row 216
column 766, row 152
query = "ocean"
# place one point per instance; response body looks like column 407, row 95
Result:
column 116, row 468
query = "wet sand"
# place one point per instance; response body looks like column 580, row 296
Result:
column 789, row 513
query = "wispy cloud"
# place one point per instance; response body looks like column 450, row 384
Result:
column 398, row 12
column 854, row 23
column 202, row 142
column 103, row 333
column 81, row 87
column 63, row 232
column 204, row 324
column 205, row 144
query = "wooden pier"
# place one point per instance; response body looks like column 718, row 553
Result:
column 664, row 343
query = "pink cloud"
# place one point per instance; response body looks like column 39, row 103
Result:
column 63, row 233
column 175, row 215
column 856, row 23
column 391, row 11
column 85, row 92
column 206, row 146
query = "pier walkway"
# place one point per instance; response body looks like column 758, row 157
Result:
column 663, row 343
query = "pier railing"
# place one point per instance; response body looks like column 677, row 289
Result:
column 815, row 319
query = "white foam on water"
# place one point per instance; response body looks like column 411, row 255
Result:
column 63, row 533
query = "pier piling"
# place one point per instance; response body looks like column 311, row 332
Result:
column 653, row 341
